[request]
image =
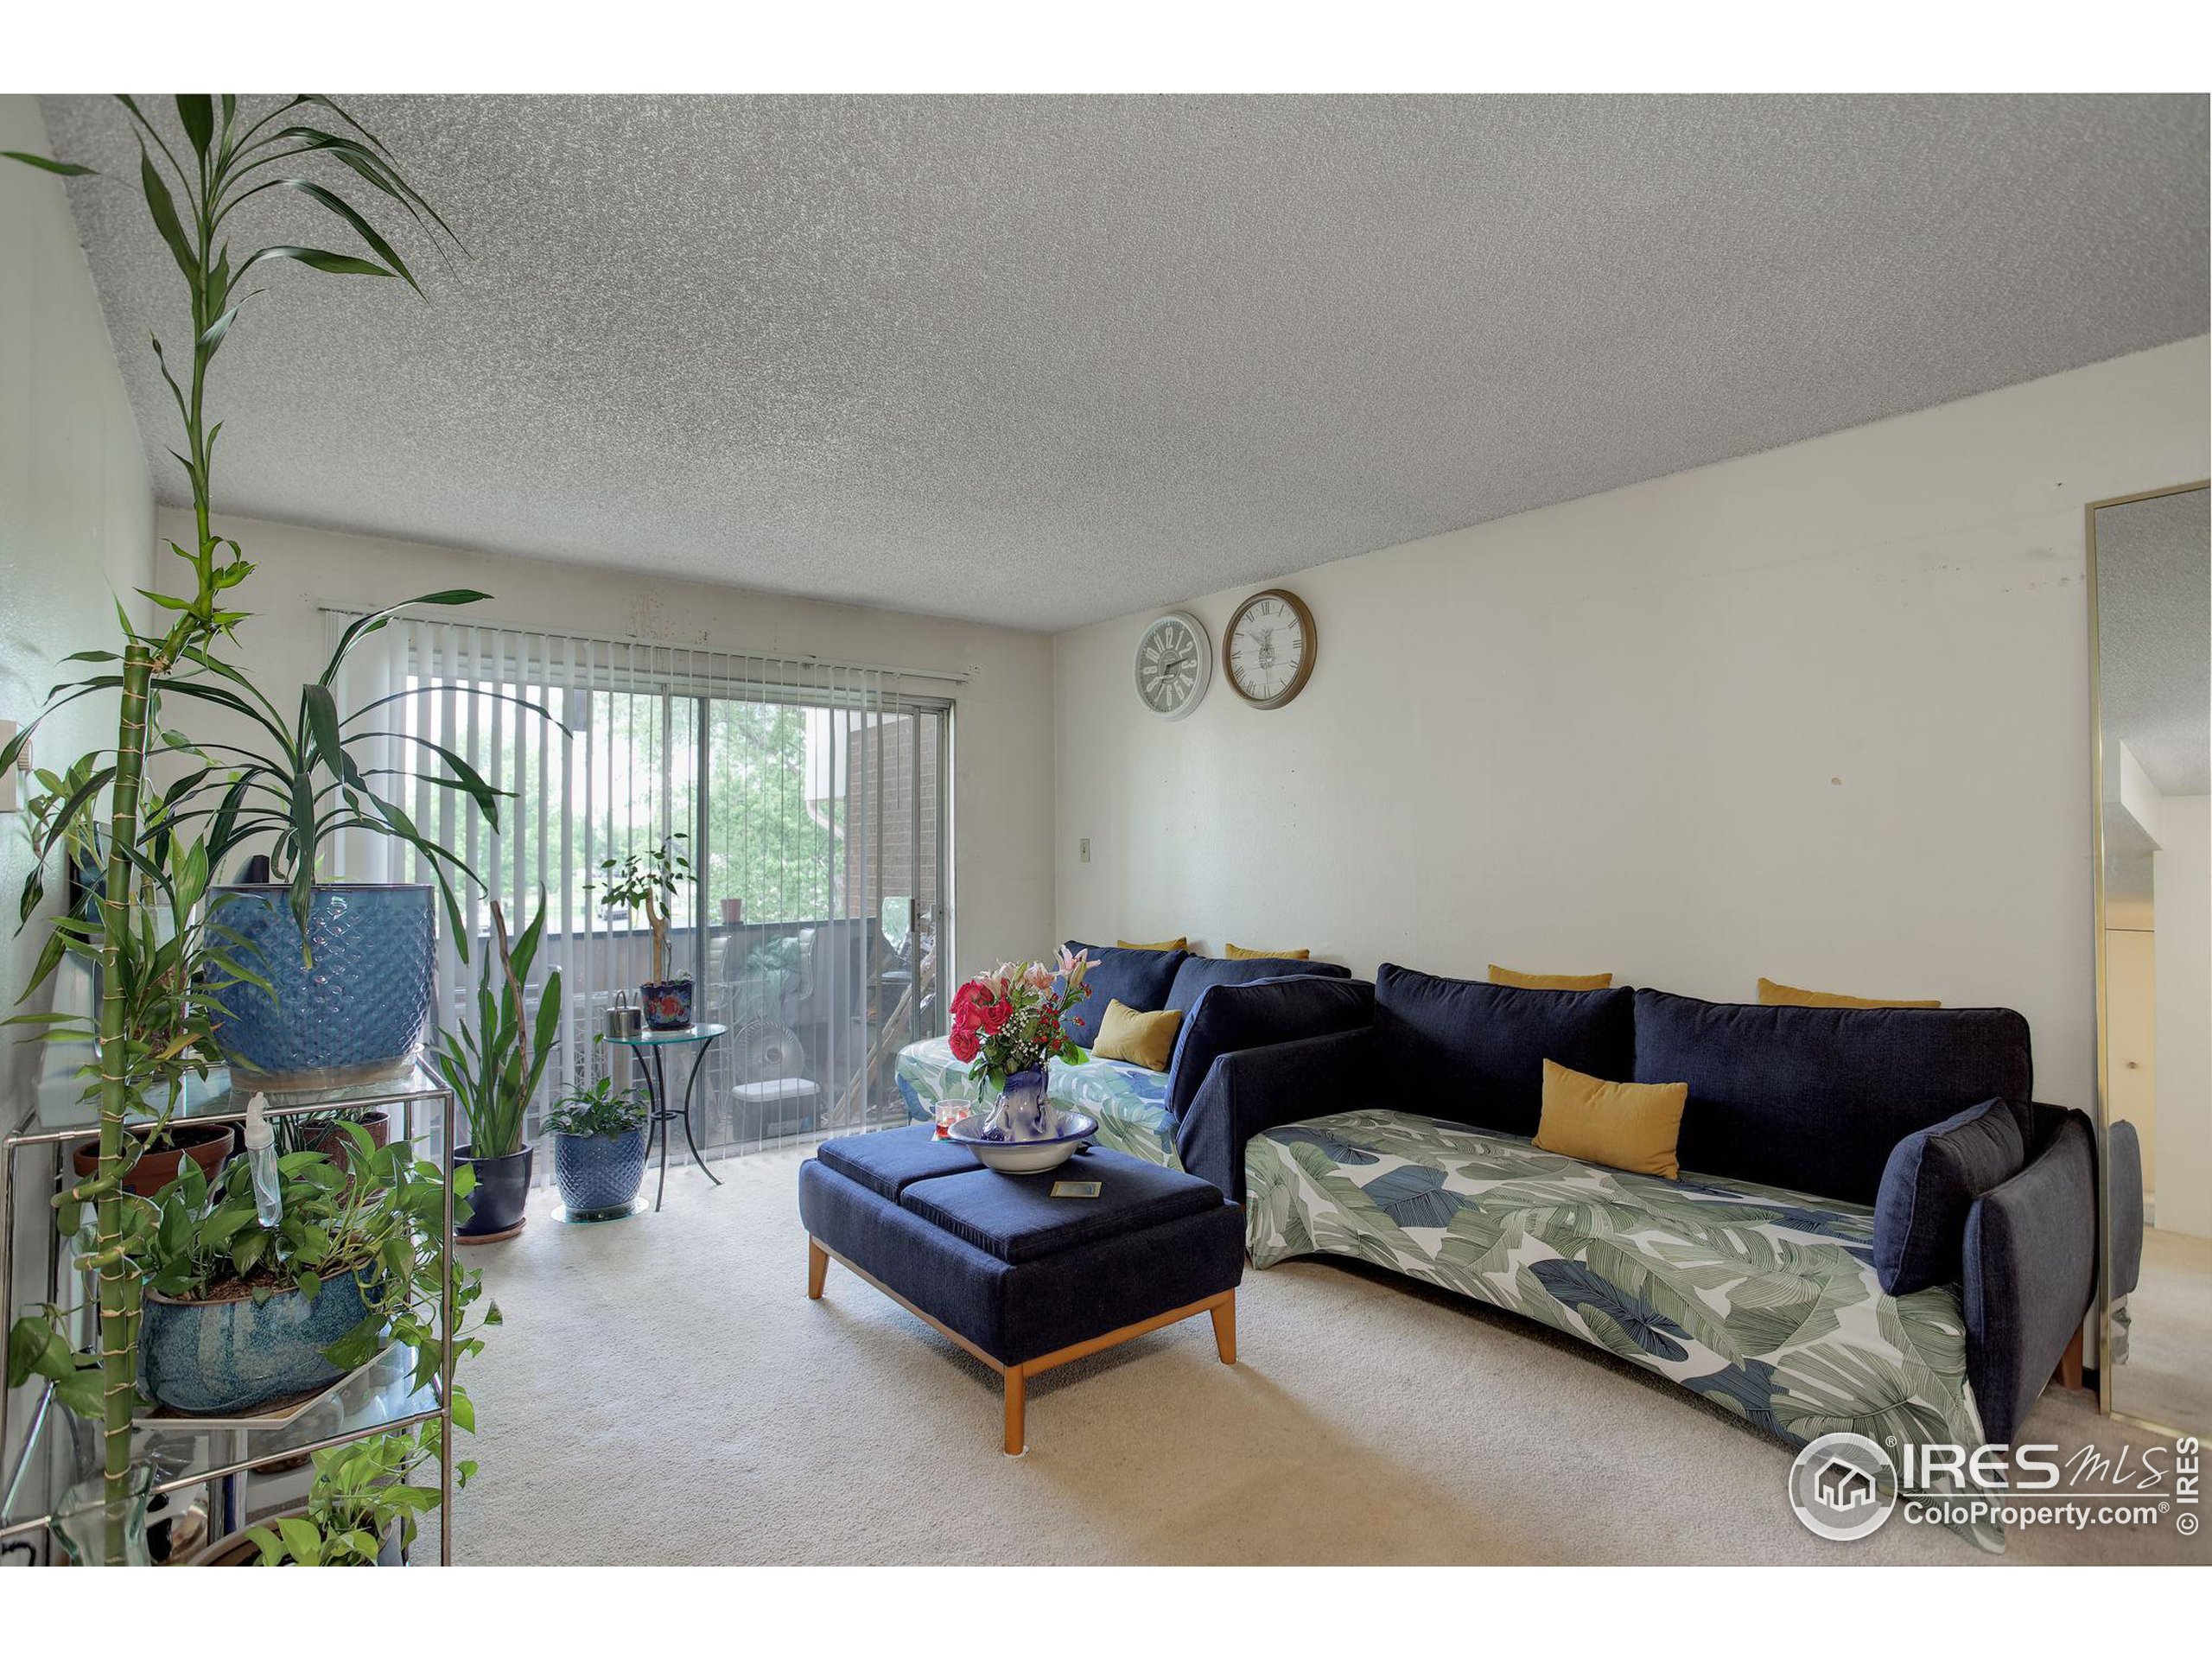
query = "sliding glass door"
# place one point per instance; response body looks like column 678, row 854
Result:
column 813, row 804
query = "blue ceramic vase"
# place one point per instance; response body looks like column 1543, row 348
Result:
column 218, row 1358
column 599, row 1173
column 356, row 1014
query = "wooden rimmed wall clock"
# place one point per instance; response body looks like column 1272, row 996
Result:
column 1268, row 650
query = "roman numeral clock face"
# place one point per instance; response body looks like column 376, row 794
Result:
column 1269, row 650
column 1174, row 661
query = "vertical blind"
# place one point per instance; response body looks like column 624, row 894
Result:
column 813, row 804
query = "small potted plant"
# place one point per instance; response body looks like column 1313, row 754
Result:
column 599, row 1150
column 648, row 881
column 493, row 1066
column 361, row 1510
column 238, row 1313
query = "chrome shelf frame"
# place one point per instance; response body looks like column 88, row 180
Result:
column 48, row 1417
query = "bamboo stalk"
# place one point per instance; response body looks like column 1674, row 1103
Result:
column 117, row 1285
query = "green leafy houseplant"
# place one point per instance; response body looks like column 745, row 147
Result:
column 595, row 1109
column 361, row 1496
column 647, row 882
column 222, row 163
column 493, row 1066
column 380, row 1220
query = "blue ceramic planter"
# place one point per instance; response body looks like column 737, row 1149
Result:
column 356, row 1014
column 218, row 1359
column 597, row 1173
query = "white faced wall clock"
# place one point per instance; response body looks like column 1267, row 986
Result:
column 1269, row 648
column 1173, row 665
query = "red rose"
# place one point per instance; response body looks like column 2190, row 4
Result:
column 964, row 1045
column 969, row 995
column 995, row 1014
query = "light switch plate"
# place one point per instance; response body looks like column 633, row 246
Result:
column 1083, row 855
column 10, row 798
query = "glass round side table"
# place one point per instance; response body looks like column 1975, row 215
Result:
column 651, row 1049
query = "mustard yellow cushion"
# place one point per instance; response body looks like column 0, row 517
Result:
column 1772, row 995
column 1550, row 982
column 1145, row 1040
column 1245, row 953
column 1631, row 1126
column 1163, row 944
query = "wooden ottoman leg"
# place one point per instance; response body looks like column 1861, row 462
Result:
column 1017, row 1409
column 1224, row 1329
column 818, row 1269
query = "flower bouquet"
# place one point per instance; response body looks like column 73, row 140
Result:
column 1006, row 1025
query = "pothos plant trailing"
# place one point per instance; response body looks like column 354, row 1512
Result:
column 151, row 1031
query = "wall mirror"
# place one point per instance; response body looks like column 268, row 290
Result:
column 2150, row 571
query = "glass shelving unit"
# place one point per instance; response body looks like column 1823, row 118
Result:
column 54, row 1452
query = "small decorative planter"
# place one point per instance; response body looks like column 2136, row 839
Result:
column 668, row 1003
column 599, row 1174
column 206, row 1144
column 220, row 1358
column 502, row 1192
column 356, row 1014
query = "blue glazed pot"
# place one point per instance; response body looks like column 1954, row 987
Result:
column 216, row 1358
column 356, row 1014
column 597, row 1173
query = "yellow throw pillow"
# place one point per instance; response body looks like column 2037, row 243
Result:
column 1145, row 1040
column 1631, row 1126
column 1245, row 953
column 1772, row 995
column 1163, row 944
column 1550, row 982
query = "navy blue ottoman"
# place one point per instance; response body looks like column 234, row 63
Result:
column 1021, row 1279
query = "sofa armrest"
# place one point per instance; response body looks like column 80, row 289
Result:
column 2124, row 1192
column 1252, row 1090
column 1259, row 1012
column 2031, row 1254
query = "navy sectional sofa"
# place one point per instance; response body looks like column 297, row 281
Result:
column 1753, row 1280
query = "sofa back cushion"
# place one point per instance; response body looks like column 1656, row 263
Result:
column 1474, row 1053
column 1258, row 1013
column 1815, row 1099
column 1196, row 975
column 1135, row 979
column 1930, row 1183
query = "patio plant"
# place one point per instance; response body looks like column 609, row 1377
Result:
column 493, row 1065
column 191, row 190
column 647, row 882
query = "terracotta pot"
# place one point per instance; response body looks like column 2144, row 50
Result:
column 327, row 1139
column 208, row 1144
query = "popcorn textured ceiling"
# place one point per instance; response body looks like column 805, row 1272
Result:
column 1041, row 361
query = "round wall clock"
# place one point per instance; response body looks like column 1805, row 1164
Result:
column 1269, row 648
column 1174, row 663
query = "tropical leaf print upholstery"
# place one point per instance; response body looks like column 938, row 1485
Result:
column 1129, row 1102
column 1764, row 1301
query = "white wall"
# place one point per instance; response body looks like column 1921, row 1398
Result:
column 1820, row 713
column 76, row 522
column 2182, row 881
column 1003, row 728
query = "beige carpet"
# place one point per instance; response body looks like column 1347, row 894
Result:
column 663, row 1391
column 2170, row 1335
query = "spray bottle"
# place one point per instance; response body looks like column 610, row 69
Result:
column 261, row 1160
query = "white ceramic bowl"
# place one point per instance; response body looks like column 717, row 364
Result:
column 1024, row 1157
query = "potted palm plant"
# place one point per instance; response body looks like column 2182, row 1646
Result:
column 493, row 1066
column 222, row 161
column 599, row 1150
column 647, row 882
